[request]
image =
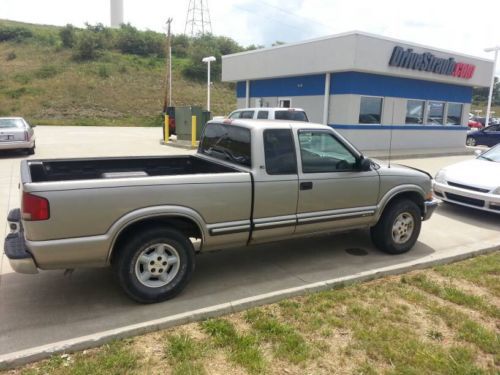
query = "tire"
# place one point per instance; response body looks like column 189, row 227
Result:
column 31, row 151
column 150, row 255
column 470, row 141
column 398, row 227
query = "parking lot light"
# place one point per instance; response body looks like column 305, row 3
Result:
column 491, row 49
column 208, row 60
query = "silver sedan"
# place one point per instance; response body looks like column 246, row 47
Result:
column 16, row 134
column 473, row 183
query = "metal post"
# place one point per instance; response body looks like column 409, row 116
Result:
column 488, row 109
column 208, row 87
column 326, row 99
column 166, row 129
column 247, row 94
column 168, row 87
column 193, row 131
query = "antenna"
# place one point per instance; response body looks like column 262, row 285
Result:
column 198, row 18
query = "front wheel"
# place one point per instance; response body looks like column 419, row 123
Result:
column 470, row 141
column 398, row 228
column 155, row 264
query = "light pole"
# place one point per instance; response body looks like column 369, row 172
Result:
column 208, row 60
column 495, row 49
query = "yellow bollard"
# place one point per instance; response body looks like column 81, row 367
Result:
column 166, row 127
column 193, row 131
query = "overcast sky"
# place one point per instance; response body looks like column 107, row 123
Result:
column 466, row 27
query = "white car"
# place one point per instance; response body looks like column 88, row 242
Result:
column 16, row 134
column 473, row 183
column 266, row 113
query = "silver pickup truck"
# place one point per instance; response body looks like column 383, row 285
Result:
column 250, row 182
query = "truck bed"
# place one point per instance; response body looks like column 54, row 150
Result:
column 123, row 167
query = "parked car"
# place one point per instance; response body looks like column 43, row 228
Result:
column 250, row 182
column 16, row 134
column 475, row 125
column 488, row 136
column 264, row 113
column 473, row 183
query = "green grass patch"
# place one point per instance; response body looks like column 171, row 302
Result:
column 483, row 271
column 243, row 349
column 186, row 353
column 114, row 359
column 455, row 295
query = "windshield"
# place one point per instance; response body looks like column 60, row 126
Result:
column 6, row 123
column 290, row 115
column 227, row 142
column 491, row 155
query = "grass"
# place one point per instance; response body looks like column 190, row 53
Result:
column 420, row 323
column 40, row 81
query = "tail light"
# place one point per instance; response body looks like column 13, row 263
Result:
column 35, row 208
column 26, row 135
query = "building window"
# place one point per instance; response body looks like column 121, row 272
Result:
column 370, row 110
column 454, row 116
column 435, row 112
column 415, row 112
column 285, row 103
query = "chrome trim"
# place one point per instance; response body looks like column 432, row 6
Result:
column 24, row 265
column 274, row 222
column 229, row 228
column 429, row 208
column 333, row 215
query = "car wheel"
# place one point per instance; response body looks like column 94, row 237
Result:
column 155, row 264
column 398, row 227
column 470, row 141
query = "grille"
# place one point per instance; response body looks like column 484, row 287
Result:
column 466, row 200
column 467, row 187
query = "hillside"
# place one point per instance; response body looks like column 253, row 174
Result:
column 42, row 81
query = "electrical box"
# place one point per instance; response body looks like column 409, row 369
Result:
column 183, row 121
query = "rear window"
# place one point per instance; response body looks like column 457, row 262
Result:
column 6, row 123
column 279, row 150
column 227, row 142
column 290, row 115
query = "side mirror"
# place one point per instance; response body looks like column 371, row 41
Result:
column 365, row 164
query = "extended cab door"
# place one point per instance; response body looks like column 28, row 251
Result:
column 275, row 186
column 333, row 192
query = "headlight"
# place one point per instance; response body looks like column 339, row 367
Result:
column 497, row 191
column 441, row 177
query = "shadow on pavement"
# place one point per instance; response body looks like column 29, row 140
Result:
column 49, row 307
column 483, row 219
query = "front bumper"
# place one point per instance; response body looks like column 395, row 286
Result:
column 468, row 198
column 15, row 248
column 429, row 208
column 15, row 145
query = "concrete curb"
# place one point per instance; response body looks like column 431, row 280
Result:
column 25, row 356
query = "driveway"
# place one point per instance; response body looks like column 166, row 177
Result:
column 49, row 307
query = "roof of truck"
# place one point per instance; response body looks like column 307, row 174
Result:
column 248, row 123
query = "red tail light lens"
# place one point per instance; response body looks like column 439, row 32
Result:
column 35, row 208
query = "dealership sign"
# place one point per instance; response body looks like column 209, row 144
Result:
column 427, row 62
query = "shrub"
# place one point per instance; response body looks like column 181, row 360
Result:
column 88, row 47
column 11, row 56
column 68, row 36
column 103, row 71
column 142, row 43
column 47, row 71
column 14, row 33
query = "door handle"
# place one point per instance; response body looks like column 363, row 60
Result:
column 306, row 185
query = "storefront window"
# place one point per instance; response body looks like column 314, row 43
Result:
column 370, row 111
column 454, row 114
column 415, row 112
column 435, row 112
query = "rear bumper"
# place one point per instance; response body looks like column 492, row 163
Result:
column 429, row 208
column 14, row 145
column 15, row 248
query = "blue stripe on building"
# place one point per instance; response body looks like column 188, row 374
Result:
column 379, row 85
column 359, row 84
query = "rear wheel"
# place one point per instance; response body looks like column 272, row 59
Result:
column 31, row 151
column 470, row 141
column 155, row 264
column 398, row 228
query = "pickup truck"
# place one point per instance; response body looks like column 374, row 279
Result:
column 250, row 182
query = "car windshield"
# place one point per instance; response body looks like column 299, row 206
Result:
column 6, row 123
column 290, row 115
column 491, row 155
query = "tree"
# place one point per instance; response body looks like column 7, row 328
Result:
column 68, row 36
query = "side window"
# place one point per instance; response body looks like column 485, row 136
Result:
column 279, row 151
column 247, row 114
column 263, row 115
column 235, row 115
column 322, row 152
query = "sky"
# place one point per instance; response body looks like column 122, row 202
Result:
column 463, row 27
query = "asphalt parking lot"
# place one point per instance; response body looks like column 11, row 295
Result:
column 50, row 307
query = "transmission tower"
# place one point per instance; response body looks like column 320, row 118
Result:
column 198, row 18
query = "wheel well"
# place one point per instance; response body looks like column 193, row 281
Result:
column 411, row 195
column 184, row 225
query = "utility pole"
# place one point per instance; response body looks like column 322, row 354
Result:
column 168, row 87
